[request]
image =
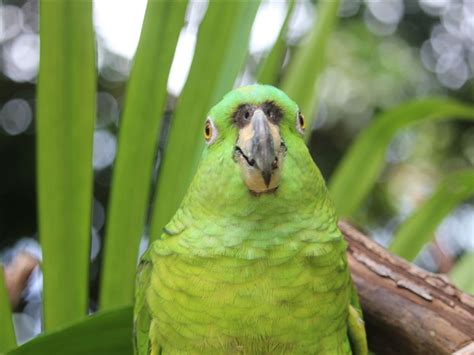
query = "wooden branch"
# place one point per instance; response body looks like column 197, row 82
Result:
column 408, row 310
column 17, row 275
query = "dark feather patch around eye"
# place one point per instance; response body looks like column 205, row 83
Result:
column 273, row 111
column 242, row 115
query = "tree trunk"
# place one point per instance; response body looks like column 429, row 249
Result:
column 408, row 310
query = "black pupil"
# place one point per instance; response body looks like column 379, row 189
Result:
column 247, row 114
column 301, row 120
column 208, row 130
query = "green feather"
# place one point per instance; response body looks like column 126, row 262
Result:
column 239, row 273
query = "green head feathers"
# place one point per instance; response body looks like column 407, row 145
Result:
column 222, row 113
column 256, row 161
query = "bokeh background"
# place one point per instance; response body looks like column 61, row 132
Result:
column 383, row 52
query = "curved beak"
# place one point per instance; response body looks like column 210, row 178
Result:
column 259, row 152
column 262, row 147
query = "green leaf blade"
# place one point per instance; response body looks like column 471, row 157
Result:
column 218, row 58
column 7, row 332
column 301, row 78
column 362, row 164
column 419, row 228
column 105, row 333
column 139, row 129
column 270, row 68
column 66, row 115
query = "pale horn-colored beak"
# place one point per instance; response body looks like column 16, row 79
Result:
column 259, row 153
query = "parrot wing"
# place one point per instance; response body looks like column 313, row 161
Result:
column 142, row 315
column 356, row 328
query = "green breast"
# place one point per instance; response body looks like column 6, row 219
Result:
column 289, row 298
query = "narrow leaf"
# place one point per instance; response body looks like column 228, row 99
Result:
column 105, row 333
column 270, row 68
column 301, row 78
column 362, row 164
column 462, row 275
column 420, row 227
column 139, row 127
column 219, row 56
column 7, row 333
column 66, row 113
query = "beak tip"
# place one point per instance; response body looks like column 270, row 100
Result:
column 267, row 177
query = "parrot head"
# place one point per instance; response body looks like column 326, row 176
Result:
column 256, row 126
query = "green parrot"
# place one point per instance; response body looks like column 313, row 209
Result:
column 252, row 262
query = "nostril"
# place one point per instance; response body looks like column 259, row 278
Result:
column 252, row 162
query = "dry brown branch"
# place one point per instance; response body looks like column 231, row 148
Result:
column 408, row 310
column 16, row 276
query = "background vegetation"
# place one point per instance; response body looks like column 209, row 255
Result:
column 98, row 148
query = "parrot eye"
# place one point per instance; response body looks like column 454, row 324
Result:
column 300, row 123
column 241, row 116
column 210, row 131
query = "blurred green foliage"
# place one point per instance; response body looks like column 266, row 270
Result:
column 105, row 333
column 66, row 115
column 462, row 274
column 420, row 227
column 360, row 167
column 141, row 121
column 300, row 80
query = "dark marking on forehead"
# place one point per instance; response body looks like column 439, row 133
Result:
column 243, row 113
column 272, row 111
